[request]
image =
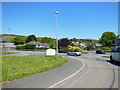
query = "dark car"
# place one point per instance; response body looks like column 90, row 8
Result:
column 100, row 52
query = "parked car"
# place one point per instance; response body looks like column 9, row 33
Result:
column 100, row 52
column 74, row 53
column 115, row 54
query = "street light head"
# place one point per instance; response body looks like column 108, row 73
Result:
column 56, row 12
column 9, row 28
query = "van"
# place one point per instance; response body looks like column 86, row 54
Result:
column 115, row 54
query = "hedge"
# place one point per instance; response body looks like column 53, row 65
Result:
column 20, row 46
column 30, row 46
column 42, row 48
column 107, row 48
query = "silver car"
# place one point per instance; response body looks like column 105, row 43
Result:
column 115, row 54
column 74, row 53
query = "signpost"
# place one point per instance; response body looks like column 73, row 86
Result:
column 50, row 52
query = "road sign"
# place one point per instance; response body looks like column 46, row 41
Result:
column 50, row 52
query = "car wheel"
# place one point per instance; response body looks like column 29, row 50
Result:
column 111, row 58
column 75, row 54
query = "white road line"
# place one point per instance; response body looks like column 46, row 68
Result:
column 110, row 64
column 68, row 77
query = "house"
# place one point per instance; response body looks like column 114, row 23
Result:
column 97, row 45
column 39, row 44
column 83, row 44
column 75, row 43
column 6, row 44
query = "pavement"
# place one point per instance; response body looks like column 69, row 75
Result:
column 46, row 79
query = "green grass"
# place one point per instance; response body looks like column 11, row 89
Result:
column 15, row 67
column 6, row 53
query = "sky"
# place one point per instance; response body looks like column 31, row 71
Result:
column 75, row 19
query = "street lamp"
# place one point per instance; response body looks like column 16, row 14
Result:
column 56, row 12
column 9, row 34
column 9, row 39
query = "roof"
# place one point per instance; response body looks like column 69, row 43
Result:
column 38, row 43
column 4, row 40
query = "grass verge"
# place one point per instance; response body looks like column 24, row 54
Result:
column 6, row 53
column 15, row 67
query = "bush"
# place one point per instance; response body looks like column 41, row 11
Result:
column 20, row 46
column 74, row 48
column 42, row 48
column 70, row 48
column 107, row 48
column 63, row 50
column 30, row 46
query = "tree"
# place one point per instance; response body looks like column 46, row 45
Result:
column 75, row 40
column 18, row 40
column 64, row 42
column 53, row 44
column 31, row 38
column 46, row 39
column 90, row 45
column 30, row 46
column 107, row 39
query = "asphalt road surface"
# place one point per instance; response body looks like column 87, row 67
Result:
column 46, row 79
column 98, row 72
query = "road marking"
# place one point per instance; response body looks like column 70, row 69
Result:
column 68, row 76
column 110, row 64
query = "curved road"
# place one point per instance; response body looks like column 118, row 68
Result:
column 97, row 73
column 46, row 79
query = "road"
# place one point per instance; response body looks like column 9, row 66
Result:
column 46, row 79
column 98, row 72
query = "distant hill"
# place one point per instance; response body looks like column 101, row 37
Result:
column 3, row 35
column 12, row 36
column 89, row 39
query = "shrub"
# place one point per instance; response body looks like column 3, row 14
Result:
column 107, row 48
column 74, row 48
column 42, row 48
column 63, row 50
column 30, row 46
column 20, row 46
column 70, row 48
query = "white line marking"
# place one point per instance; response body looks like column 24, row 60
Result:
column 68, row 77
column 110, row 64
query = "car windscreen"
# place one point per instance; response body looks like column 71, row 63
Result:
column 118, row 49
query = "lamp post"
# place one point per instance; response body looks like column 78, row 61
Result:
column 9, row 39
column 9, row 34
column 56, row 12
